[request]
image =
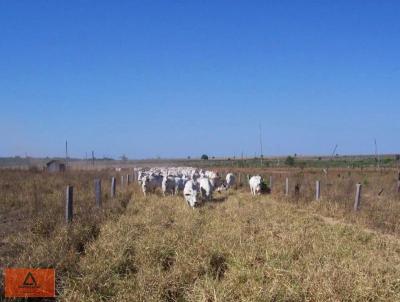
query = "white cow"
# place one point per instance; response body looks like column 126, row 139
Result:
column 140, row 177
column 168, row 185
column 230, row 180
column 214, row 178
column 180, row 184
column 255, row 183
column 195, row 175
column 206, row 188
column 190, row 193
column 150, row 183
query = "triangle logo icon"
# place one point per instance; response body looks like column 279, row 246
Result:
column 29, row 281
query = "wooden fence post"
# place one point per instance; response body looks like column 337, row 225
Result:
column 122, row 181
column 287, row 187
column 398, row 183
column 240, row 179
column 97, row 191
column 113, row 187
column 69, row 204
column 357, row 200
column 297, row 190
column 128, row 179
column 270, row 183
column 317, row 190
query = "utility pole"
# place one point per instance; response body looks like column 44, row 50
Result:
column 66, row 152
column 261, row 146
column 376, row 154
column 332, row 155
column 92, row 158
column 334, row 151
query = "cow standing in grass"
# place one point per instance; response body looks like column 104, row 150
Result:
column 256, row 183
column 168, row 185
column 230, row 180
column 190, row 193
column 150, row 183
column 206, row 188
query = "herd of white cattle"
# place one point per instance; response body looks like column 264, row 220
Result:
column 196, row 185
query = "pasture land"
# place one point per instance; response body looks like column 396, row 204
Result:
column 235, row 249
column 268, row 248
column 33, row 232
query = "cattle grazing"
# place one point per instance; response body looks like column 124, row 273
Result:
column 195, row 175
column 256, row 183
column 150, row 183
column 179, row 184
column 230, row 180
column 140, row 177
column 206, row 188
column 168, row 185
column 190, row 193
column 214, row 178
column 189, row 180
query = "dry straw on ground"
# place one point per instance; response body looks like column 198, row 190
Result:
column 242, row 249
column 237, row 248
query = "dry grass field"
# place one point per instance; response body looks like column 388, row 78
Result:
column 33, row 232
column 241, row 249
column 236, row 248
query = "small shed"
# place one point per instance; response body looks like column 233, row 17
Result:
column 56, row 166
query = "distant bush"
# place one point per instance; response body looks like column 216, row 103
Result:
column 204, row 157
column 289, row 161
column 387, row 161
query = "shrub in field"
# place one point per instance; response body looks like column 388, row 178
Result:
column 289, row 161
column 204, row 157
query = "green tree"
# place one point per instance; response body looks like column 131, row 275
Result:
column 204, row 157
column 289, row 161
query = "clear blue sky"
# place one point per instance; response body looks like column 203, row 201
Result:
column 179, row 78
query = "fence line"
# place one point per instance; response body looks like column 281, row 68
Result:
column 398, row 183
column 113, row 187
column 270, row 183
column 317, row 190
column 357, row 201
column 98, row 192
column 287, row 186
column 69, row 212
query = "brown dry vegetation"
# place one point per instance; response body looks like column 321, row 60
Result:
column 237, row 248
column 33, row 232
column 242, row 249
column 380, row 202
